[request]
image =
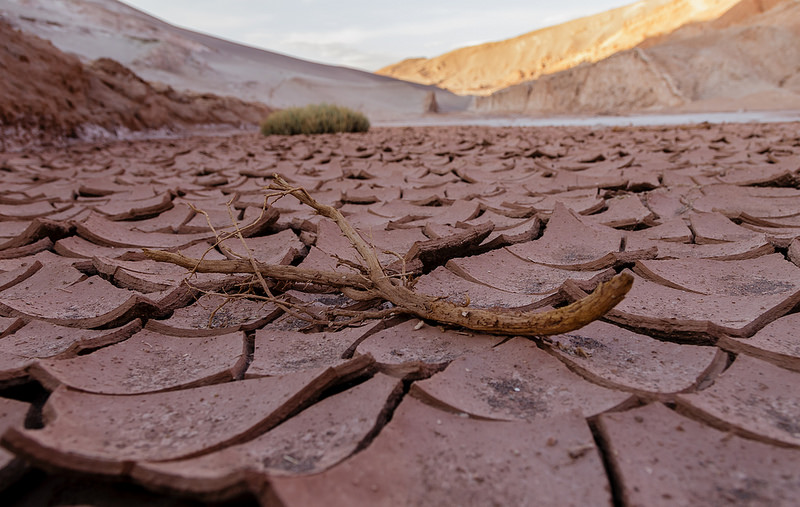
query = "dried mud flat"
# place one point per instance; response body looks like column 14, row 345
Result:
column 121, row 383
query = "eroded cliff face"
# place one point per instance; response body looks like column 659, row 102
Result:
column 487, row 68
column 625, row 81
column 748, row 59
column 46, row 93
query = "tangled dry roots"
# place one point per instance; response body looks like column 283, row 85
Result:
column 376, row 285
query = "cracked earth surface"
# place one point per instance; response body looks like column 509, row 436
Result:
column 120, row 382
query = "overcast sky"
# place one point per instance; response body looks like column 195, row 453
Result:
column 368, row 34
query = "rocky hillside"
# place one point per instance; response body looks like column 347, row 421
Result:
column 46, row 93
column 486, row 68
column 186, row 60
column 747, row 59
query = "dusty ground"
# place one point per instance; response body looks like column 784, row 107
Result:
column 121, row 384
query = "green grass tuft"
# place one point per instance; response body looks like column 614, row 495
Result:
column 314, row 119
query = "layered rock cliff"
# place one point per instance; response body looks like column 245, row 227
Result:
column 747, row 59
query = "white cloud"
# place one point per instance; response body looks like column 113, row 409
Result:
column 341, row 53
column 340, row 36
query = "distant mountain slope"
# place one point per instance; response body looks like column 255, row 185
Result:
column 486, row 68
column 48, row 95
column 187, row 60
column 749, row 59
column 741, row 13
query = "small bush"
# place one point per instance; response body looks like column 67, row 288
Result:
column 314, row 119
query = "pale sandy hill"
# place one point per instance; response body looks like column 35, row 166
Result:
column 187, row 60
column 749, row 59
column 47, row 95
column 486, row 68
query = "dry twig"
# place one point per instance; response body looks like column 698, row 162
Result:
column 376, row 284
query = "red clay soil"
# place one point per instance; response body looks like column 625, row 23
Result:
column 46, row 94
column 127, row 382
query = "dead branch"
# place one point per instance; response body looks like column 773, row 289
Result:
column 377, row 284
column 285, row 273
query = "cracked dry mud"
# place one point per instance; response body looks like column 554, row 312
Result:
column 120, row 383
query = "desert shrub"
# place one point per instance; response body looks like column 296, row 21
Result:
column 314, row 119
